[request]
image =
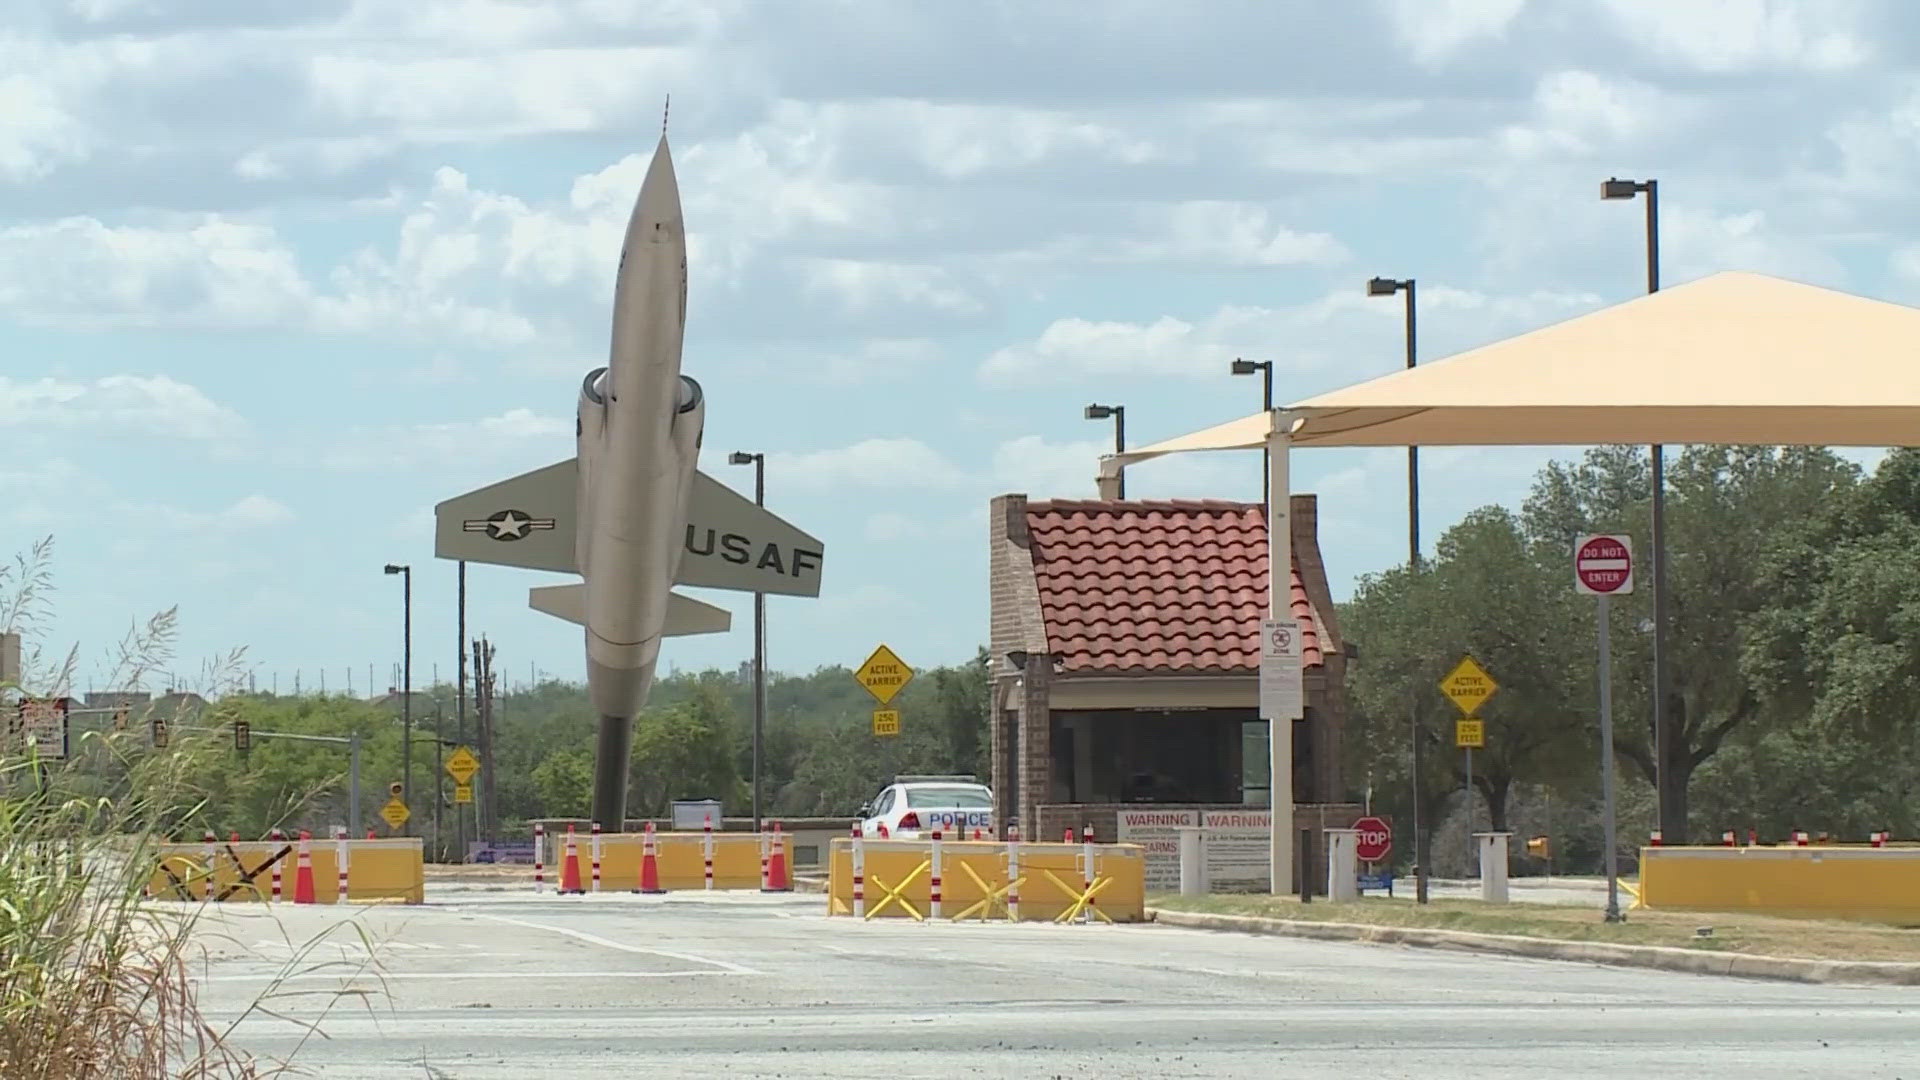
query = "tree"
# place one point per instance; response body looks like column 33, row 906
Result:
column 1481, row 596
column 1727, row 508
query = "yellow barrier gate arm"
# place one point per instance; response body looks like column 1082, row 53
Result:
column 1081, row 900
column 894, row 892
column 985, row 905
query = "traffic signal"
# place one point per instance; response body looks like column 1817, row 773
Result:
column 1537, row 847
column 242, row 736
column 157, row 731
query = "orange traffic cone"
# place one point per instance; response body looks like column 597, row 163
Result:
column 303, row 873
column 649, row 865
column 777, row 866
column 570, row 868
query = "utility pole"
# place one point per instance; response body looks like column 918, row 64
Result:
column 460, row 651
column 489, row 812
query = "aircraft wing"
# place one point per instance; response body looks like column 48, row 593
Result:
column 733, row 544
column 526, row 521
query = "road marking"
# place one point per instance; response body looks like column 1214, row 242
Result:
column 593, row 939
column 308, row 976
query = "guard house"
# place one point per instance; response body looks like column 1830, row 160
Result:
column 1125, row 642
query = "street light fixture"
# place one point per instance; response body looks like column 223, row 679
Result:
column 1265, row 368
column 1616, row 188
column 1381, row 286
column 406, row 688
column 1119, row 414
column 759, row 463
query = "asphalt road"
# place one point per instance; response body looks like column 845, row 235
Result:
column 485, row 983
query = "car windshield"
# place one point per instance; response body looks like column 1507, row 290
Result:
column 949, row 797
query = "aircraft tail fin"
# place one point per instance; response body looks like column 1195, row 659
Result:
column 685, row 615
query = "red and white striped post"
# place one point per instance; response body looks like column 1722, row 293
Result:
column 706, row 846
column 207, row 843
column 594, row 843
column 1086, row 855
column 1013, row 873
column 1879, row 839
column 1654, row 838
column 933, row 908
column 859, row 874
column 1799, row 838
column 539, row 857
column 340, row 857
column 763, row 860
column 1726, row 838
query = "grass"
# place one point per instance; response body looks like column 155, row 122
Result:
column 94, row 983
column 1756, row 935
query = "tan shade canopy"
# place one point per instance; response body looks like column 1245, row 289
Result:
column 1734, row 358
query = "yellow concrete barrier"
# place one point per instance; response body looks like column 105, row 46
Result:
column 387, row 870
column 680, row 857
column 974, row 885
column 1826, row 882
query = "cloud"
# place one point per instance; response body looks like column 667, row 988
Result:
column 1339, row 333
column 251, row 512
column 896, row 463
column 117, row 405
column 889, row 527
column 1723, row 36
column 1048, row 470
column 1434, row 30
column 460, row 442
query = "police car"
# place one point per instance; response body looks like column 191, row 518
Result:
column 914, row 806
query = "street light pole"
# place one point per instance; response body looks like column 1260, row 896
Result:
column 406, row 688
column 1265, row 368
column 1119, row 415
column 1672, row 832
column 759, row 463
column 1387, row 287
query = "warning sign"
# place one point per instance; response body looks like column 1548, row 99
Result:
column 1158, row 831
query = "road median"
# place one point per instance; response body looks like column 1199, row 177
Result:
column 1693, row 960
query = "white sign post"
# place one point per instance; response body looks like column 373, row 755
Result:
column 1282, row 691
column 1603, row 567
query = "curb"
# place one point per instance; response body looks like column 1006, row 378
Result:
column 1660, row 957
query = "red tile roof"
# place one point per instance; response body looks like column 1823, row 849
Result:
column 1158, row 587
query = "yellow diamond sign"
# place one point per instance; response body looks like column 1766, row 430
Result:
column 886, row 722
column 461, row 765
column 396, row 813
column 463, row 793
column 1469, row 685
column 884, row 674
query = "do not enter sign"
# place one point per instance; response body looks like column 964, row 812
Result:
column 1603, row 565
column 1375, row 839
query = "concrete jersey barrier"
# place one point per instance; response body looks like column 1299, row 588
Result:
column 1820, row 881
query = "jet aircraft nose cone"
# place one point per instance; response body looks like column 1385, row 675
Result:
column 658, row 207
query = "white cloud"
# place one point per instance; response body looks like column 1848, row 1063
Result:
column 898, row 463
column 1207, row 233
column 1743, row 35
column 1342, row 332
column 862, row 287
column 1069, row 470
column 251, row 512
column 1579, row 113
column 117, row 404
column 1433, row 30
column 461, row 442
column 36, row 130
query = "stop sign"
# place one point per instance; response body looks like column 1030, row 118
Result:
column 1375, row 839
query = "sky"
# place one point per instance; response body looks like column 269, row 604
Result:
column 276, row 276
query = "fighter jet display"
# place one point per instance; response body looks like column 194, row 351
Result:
column 631, row 513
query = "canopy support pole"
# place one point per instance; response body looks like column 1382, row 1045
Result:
column 1280, row 606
